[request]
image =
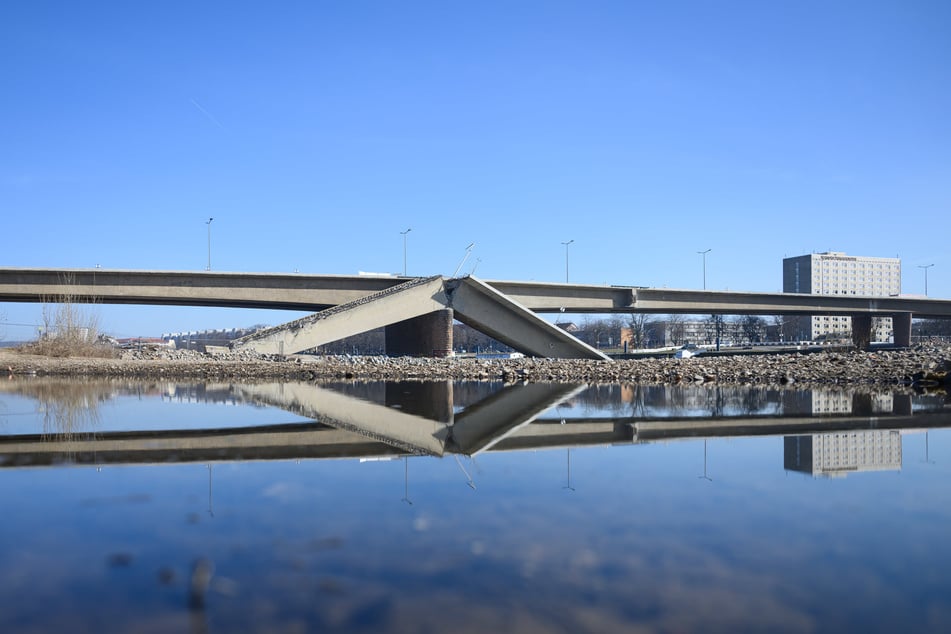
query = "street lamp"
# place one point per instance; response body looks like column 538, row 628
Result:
column 464, row 258
column 566, row 258
column 704, row 254
column 925, row 267
column 209, row 243
column 403, row 233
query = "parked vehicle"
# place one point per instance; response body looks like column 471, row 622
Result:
column 688, row 351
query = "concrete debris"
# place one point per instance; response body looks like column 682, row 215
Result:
column 925, row 365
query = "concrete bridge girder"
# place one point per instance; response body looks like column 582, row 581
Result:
column 404, row 307
column 290, row 291
column 479, row 305
column 411, row 299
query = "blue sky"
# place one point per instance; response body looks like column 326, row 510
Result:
column 315, row 132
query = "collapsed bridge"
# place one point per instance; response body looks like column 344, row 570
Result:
column 417, row 312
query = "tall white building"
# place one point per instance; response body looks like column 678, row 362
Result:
column 835, row 273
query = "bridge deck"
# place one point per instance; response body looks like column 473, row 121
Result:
column 299, row 291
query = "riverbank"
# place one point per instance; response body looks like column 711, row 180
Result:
column 925, row 363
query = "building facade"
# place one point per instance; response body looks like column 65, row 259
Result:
column 835, row 273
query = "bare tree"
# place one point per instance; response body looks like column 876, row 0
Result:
column 734, row 326
column 638, row 324
column 612, row 330
column 753, row 328
column 932, row 328
column 714, row 330
column 70, row 327
column 590, row 330
column 675, row 329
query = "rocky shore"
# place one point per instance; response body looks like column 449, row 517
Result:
column 921, row 365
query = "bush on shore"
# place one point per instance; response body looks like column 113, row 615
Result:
column 66, row 347
column 69, row 330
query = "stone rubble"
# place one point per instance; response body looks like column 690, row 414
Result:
column 923, row 364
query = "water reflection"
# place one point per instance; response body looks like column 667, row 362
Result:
column 838, row 454
column 641, row 517
column 829, row 432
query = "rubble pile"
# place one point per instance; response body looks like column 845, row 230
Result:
column 927, row 365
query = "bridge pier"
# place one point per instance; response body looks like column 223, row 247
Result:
column 428, row 335
column 430, row 399
column 862, row 331
column 901, row 329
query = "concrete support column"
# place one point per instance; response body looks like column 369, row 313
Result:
column 862, row 331
column 901, row 404
column 901, row 329
column 428, row 335
column 429, row 399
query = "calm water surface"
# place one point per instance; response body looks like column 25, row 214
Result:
column 411, row 507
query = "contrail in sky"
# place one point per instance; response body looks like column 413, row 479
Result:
column 210, row 116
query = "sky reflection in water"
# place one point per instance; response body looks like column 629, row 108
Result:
column 566, row 537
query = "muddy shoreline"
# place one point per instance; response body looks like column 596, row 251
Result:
column 923, row 364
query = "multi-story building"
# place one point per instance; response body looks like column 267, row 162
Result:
column 834, row 273
column 839, row 453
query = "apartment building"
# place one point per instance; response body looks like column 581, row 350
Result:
column 835, row 273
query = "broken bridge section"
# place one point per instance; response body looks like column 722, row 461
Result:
column 418, row 318
column 396, row 304
column 487, row 310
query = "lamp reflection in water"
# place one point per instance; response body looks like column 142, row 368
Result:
column 927, row 457
column 705, row 476
column 469, row 481
column 568, row 486
column 406, row 481
column 211, row 505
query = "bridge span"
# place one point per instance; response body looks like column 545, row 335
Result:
column 517, row 418
column 418, row 312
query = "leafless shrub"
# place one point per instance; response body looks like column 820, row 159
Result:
column 70, row 326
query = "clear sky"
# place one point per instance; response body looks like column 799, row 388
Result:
column 315, row 132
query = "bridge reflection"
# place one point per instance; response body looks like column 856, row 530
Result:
column 383, row 421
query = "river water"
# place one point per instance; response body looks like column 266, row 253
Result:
column 471, row 507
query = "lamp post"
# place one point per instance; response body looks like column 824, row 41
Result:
column 566, row 258
column 403, row 233
column 209, row 243
column 925, row 267
column 704, row 254
column 464, row 258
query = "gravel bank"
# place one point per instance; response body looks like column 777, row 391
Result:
column 921, row 364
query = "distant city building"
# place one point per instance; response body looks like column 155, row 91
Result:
column 200, row 339
column 835, row 273
column 675, row 332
